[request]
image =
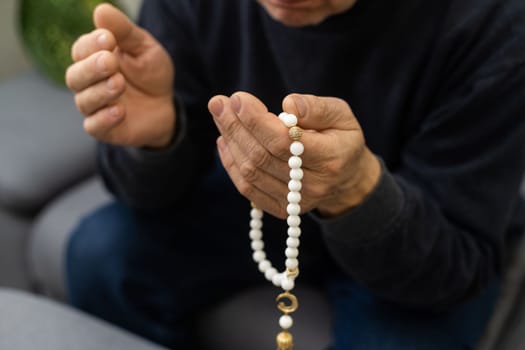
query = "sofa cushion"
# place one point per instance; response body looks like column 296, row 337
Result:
column 51, row 230
column 43, row 148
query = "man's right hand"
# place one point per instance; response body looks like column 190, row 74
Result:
column 123, row 82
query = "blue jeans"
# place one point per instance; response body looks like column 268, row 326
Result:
column 154, row 272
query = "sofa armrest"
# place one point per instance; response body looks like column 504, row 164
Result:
column 30, row 322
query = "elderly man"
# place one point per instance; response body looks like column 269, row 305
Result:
column 413, row 139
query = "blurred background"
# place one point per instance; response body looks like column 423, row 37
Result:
column 44, row 151
column 14, row 58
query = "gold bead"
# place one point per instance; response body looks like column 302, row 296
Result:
column 295, row 133
column 284, row 341
column 292, row 272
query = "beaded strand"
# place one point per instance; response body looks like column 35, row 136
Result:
column 285, row 279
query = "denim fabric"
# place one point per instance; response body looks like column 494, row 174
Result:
column 154, row 272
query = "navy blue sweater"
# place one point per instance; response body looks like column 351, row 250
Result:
column 438, row 87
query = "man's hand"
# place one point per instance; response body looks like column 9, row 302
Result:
column 123, row 82
column 339, row 170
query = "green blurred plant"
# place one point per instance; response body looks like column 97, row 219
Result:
column 50, row 27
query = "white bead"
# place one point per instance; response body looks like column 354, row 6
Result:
column 295, row 162
column 294, row 231
column 296, row 148
column 293, row 209
column 296, row 174
column 293, row 221
column 285, row 321
column 287, row 283
column 256, row 213
column 282, row 116
column 277, row 279
column 294, row 197
column 295, row 185
column 264, row 266
column 255, row 234
column 291, row 253
column 258, row 256
column 289, row 120
column 292, row 242
column 256, row 224
column 257, row 244
column 270, row 273
column 292, row 263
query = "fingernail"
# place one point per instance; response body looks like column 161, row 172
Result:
column 216, row 107
column 102, row 39
column 101, row 64
column 300, row 104
column 236, row 103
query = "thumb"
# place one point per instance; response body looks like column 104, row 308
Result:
column 130, row 37
column 320, row 113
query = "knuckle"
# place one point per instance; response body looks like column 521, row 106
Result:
column 279, row 147
column 315, row 190
column 231, row 128
column 248, row 172
column 333, row 168
column 90, row 127
column 80, row 103
column 259, row 156
column 100, row 61
column 116, row 83
column 323, row 104
column 104, row 63
column 245, row 188
column 69, row 77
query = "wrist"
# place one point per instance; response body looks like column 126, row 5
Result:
column 355, row 191
column 168, row 116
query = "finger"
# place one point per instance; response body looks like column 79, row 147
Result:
column 264, row 126
column 91, row 70
column 103, row 121
column 128, row 35
column 248, row 152
column 273, row 134
column 266, row 201
column 100, row 95
column 320, row 113
column 88, row 44
column 257, row 121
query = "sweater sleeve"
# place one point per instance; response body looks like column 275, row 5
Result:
column 432, row 232
column 151, row 179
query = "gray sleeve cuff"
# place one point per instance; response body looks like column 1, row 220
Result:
column 370, row 220
column 145, row 154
